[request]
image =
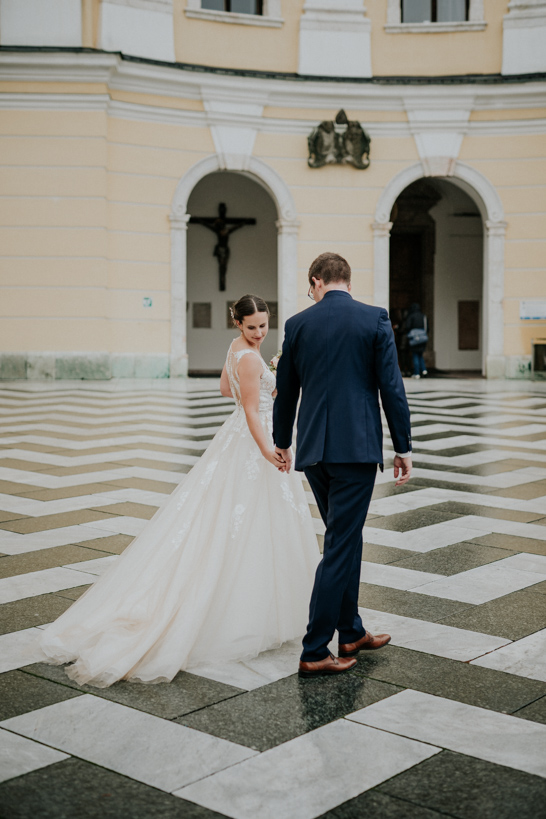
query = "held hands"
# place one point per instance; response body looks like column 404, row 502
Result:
column 274, row 457
column 402, row 468
column 286, row 456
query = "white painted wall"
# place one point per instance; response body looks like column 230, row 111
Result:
column 252, row 266
column 140, row 28
column 458, row 274
column 41, row 22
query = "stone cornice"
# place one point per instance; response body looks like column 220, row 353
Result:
column 160, row 79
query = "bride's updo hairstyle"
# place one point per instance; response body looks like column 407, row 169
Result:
column 247, row 306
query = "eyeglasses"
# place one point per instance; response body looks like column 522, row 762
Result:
column 309, row 294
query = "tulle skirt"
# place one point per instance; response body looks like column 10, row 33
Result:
column 223, row 571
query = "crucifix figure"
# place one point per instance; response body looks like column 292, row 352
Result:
column 223, row 226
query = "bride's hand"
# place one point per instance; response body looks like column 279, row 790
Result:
column 275, row 459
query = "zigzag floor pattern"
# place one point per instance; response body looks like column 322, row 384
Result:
column 448, row 720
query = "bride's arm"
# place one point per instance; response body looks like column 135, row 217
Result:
column 250, row 370
column 225, row 389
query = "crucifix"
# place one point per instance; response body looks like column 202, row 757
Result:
column 223, row 226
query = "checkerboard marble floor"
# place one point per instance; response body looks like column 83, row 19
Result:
column 448, row 720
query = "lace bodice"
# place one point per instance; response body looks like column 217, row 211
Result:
column 267, row 379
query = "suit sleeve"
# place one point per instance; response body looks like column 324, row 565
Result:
column 286, row 402
column 391, row 386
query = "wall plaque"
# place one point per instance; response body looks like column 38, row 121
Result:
column 202, row 314
column 469, row 325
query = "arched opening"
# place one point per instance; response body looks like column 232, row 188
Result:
column 487, row 201
column 287, row 236
column 436, row 260
column 251, row 266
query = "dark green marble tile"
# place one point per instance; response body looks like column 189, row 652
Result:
column 387, row 490
column 407, row 603
column 459, row 557
column 457, row 508
column 451, row 679
column 513, row 616
column 186, row 692
column 536, row 711
column 375, row 805
column 32, row 611
column 494, row 467
column 72, row 594
column 45, row 559
column 469, row 788
column 287, row 708
column 512, row 542
column 74, row 789
column 435, row 483
column 414, row 519
column 384, row 554
column 20, row 693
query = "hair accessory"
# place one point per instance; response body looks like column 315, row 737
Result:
column 232, row 313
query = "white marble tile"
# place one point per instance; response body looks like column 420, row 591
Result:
column 12, row 543
column 436, row 536
column 19, row 756
column 482, row 584
column 45, row 581
column 309, row 775
column 20, row 648
column 525, row 658
column 394, row 577
column 266, row 668
column 121, row 525
column 96, row 567
column 36, row 508
column 152, row 750
column 504, row 527
column 430, row 638
column 465, row 729
column 526, row 563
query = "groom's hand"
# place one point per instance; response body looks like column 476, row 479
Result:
column 402, row 468
column 286, row 455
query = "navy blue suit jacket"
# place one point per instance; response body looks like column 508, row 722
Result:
column 341, row 354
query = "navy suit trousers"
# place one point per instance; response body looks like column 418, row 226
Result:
column 343, row 493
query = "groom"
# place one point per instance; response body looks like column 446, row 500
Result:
column 341, row 355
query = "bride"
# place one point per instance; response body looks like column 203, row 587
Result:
column 223, row 570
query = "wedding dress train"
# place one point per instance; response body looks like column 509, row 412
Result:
column 223, row 570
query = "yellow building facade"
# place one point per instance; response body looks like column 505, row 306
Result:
column 123, row 118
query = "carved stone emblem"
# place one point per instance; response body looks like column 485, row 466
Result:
column 342, row 141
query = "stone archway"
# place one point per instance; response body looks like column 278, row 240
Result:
column 287, row 233
column 480, row 189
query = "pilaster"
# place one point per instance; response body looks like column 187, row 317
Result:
column 335, row 39
column 524, row 37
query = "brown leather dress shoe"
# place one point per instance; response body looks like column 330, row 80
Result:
column 366, row 643
column 330, row 665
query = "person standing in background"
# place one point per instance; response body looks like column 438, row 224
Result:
column 415, row 326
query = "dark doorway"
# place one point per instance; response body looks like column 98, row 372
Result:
column 411, row 272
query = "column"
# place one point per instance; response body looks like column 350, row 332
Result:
column 381, row 252
column 179, row 352
column 287, row 271
column 494, row 365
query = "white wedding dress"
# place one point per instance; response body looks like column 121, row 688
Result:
column 223, row 570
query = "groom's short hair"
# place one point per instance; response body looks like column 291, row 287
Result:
column 330, row 267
